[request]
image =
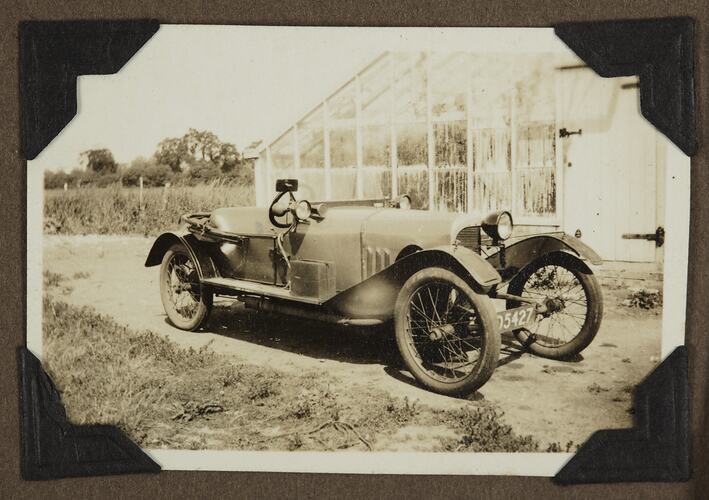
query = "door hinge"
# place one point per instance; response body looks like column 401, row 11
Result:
column 658, row 236
column 566, row 133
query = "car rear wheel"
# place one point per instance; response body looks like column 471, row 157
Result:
column 446, row 333
column 186, row 301
column 573, row 305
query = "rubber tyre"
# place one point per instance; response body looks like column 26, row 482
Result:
column 490, row 352
column 594, row 299
column 205, row 304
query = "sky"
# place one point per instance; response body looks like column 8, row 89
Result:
column 243, row 83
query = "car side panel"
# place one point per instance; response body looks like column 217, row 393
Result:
column 376, row 295
column 386, row 234
column 335, row 238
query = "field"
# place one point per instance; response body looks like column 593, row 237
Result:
column 118, row 210
column 117, row 359
column 164, row 395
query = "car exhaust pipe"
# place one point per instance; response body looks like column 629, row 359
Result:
column 263, row 304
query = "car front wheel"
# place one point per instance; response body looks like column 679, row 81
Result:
column 573, row 305
column 446, row 333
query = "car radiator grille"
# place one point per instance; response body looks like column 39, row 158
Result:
column 469, row 237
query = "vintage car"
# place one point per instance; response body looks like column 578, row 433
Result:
column 435, row 276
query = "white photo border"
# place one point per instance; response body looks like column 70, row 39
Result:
column 677, row 212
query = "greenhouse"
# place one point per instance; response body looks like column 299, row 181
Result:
column 434, row 126
column 478, row 131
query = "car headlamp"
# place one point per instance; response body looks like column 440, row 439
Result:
column 303, row 210
column 498, row 225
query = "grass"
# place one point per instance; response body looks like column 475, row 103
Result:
column 163, row 395
column 117, row 210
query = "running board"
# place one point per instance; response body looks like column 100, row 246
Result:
column 315, row 313
column 260, row 289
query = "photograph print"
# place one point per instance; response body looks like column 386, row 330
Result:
column 383, row 250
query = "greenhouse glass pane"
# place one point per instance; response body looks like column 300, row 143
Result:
column 412, row 144
column 410, row 88
column 449, row 79
column 536, row 145
column 344, row 184
column 491, row 191
column 451, row 189
column 311, row 142
column 414, row 182
column 343, row 147
column 536, row 100
column 450, row 139
column 377, row 182
column 282, row 152
column 311, row 184
column 341, row 106
column 376, row 92
column 536, row 192
column 491, row 150
column 376, row 145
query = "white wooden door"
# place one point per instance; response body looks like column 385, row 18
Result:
column 609, row 169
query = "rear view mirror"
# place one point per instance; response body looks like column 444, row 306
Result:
column 283, row 185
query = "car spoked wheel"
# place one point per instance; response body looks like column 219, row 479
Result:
column 571, row 305
column 186, row 302
column 446, row 333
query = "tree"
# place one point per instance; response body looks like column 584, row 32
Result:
column 55, row 180
column 202, row 172
column 99, row 161
column 157, row 175
column 197, row 146
column 229, row 158
column 172, row 152
column 153, row 174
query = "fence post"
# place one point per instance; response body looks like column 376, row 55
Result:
column 164, row 195
column 66, row 186
column 140, row 194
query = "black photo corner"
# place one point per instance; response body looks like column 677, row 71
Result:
column 659, row 51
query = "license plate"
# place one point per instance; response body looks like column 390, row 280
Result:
column 513, row 319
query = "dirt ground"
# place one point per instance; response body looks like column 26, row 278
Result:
column 550, row 400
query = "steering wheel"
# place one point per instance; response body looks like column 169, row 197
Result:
column 273, row 212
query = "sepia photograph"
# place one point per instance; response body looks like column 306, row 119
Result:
column 369, row 250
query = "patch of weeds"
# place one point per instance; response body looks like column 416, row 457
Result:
column 263, row 386
column 81, row 275
column 301, row 409
column 482, row 430
column 596, row 389
column 643, row 298
column 295, row 442
column 51, row 279
column 230, row 376
column 557, row 448
column 628, row 389
column 402, row 412
column 626, row 360
column 191, row 410
column 312, row 402
column 196, row 443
